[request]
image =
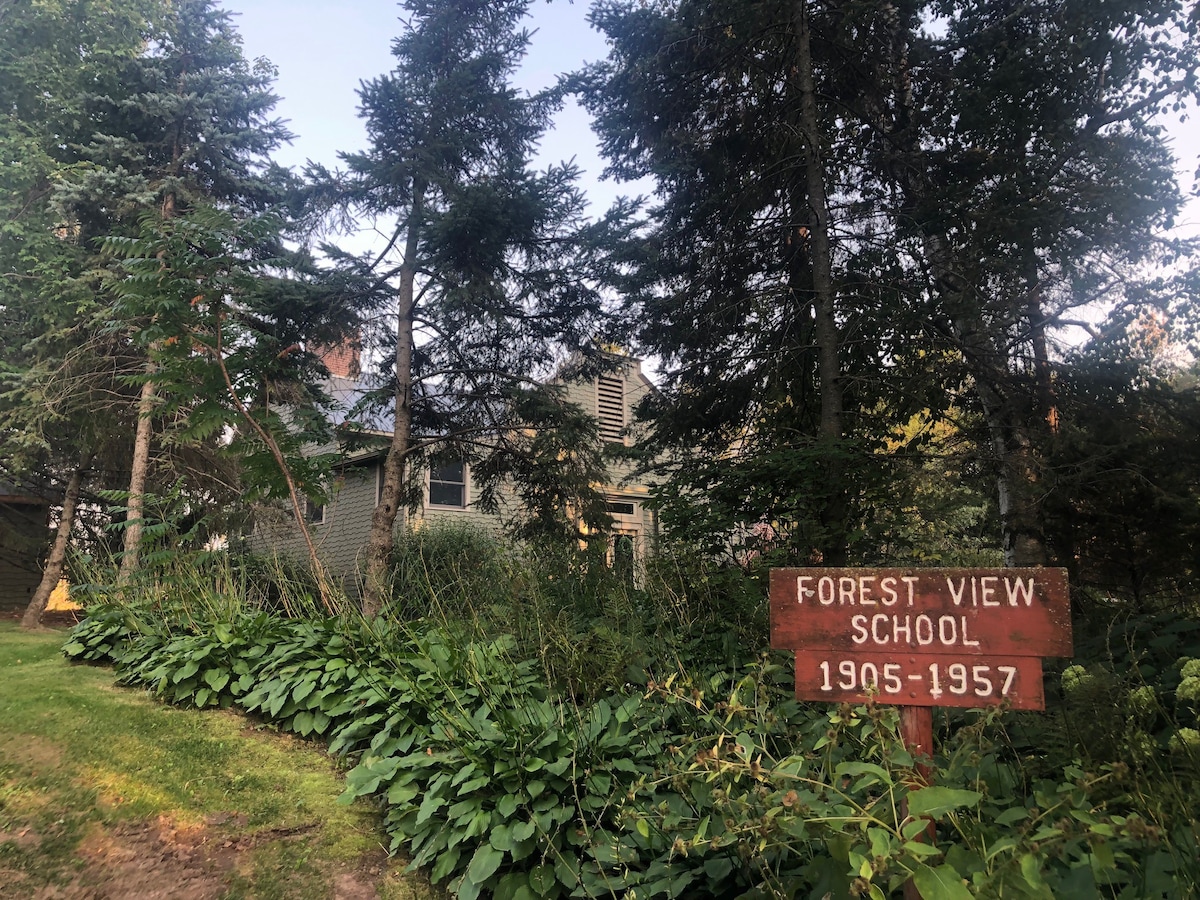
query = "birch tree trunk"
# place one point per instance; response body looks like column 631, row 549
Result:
column 383, row 522
column 136, row 504
column 55, row 564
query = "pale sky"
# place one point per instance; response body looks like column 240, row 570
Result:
column 323, row 49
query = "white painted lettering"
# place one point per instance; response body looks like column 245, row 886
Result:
column 911, row 581
column 865, row 583
column 859, row 624
column 899, row 628
column 826, row 591
column 846, row 586
column 987, row 587
column 949, row 637
column 875, row 620
column 1019, row 590
column 926, row 638
column 957, row 595
column 888, row 586
column 802, row 590
column 967, row 642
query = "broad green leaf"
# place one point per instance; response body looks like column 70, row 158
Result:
column 1031, row 870
column 445, row 864
column 523, row 831
column 913, row 827
column 486, row 861
column 541, row 879
column 942, row 883
column 514, row 886
column 937, row 801
column 399, row 794
column 923, row 850
column 851, row 768
column 718, row 867
column 1011, row 815
column 501, row 837
column 216, row 679
column 302, row 690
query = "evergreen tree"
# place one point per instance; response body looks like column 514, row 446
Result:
column 1033, row 180
column 767, row 291
column 988, row 174
column 62, row 398
column 150, row 134
column 489, row 277
column 183, row 123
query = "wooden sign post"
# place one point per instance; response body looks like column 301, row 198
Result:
column 919, row 638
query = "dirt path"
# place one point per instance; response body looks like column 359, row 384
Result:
column 161, row 861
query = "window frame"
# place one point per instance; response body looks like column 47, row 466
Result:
column 315, row 513
column 464, row 483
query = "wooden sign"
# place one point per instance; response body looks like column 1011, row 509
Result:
column 915, row 679
column 922, row 637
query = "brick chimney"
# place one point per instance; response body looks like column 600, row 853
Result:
column 341, row 359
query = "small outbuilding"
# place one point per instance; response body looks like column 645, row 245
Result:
column 24, row 536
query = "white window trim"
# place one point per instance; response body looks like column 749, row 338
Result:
column 634, row 517
column 466, row 484
column 309, row 518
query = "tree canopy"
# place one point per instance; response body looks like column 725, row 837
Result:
column 907, row 274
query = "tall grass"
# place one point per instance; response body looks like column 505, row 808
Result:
column 592, row 628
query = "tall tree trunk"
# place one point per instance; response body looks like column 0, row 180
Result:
column 383, row 522
column 830, row 427
column 136, row 504
column 1013, row 444
column 55, row 564
column 314, row 560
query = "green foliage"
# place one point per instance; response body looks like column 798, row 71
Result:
column 224, row 327
column 103, row 636
column 707, row 782
column 592, row 629
column 1122, row 503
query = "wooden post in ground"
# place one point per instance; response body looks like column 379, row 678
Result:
column 916, row 730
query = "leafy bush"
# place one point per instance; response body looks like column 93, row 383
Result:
column 702, row 786
column 549, row 730
column 103, row 635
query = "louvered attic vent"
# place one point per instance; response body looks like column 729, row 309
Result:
column 610, row 401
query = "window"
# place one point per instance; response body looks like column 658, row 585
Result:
column 622, row 556
column 448, row 483
column 620, row 507
column 610, row 408
column 314, row 513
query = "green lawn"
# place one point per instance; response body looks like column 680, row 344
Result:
column 105, row 790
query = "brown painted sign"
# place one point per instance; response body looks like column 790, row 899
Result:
column 947, row 612
column 922, row 637
column 917, row 679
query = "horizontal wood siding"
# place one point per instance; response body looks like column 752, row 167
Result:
column 342, row 538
